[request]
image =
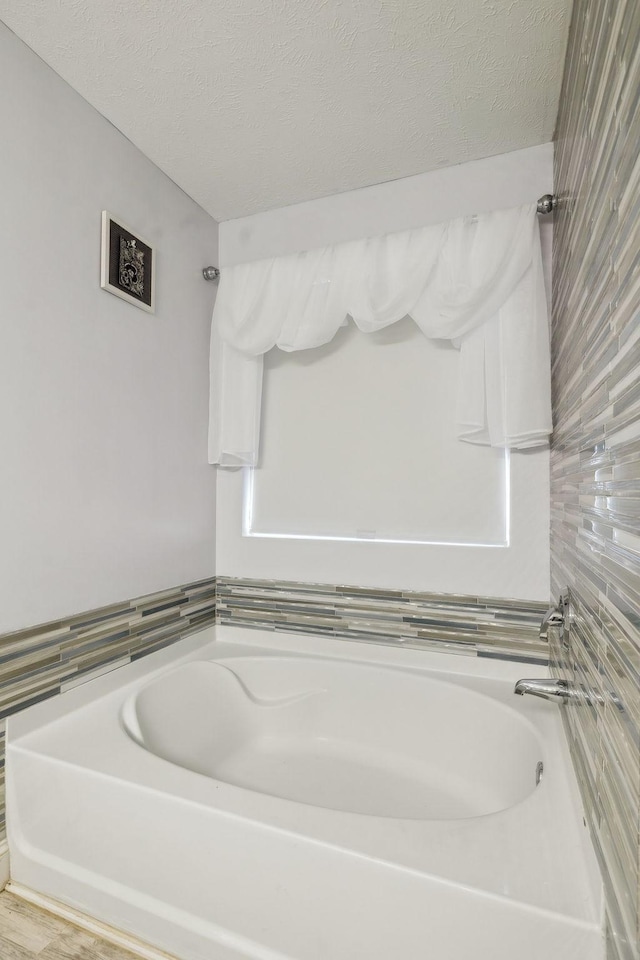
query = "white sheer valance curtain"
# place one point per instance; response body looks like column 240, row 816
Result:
column 476, row 281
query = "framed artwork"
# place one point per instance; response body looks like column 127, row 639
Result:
column 127, row 264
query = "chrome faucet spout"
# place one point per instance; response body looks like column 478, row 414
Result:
column 556, row 690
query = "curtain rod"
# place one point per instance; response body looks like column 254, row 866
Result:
column 546, row 204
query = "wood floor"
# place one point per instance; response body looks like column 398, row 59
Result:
column 26, row 932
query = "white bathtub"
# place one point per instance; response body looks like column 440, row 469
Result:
column 293, row 798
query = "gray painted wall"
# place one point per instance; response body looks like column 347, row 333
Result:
column 105, row 492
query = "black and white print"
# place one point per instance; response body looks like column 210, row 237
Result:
column 128, row 264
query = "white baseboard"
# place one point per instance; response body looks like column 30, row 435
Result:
column 4, row 864
column 95, row 927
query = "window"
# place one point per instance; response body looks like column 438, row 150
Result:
column 358, row 443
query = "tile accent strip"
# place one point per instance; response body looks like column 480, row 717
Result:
column 40, row 662
column 475, row 626
column 595, row 457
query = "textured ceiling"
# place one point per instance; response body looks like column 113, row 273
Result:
column 254, row 104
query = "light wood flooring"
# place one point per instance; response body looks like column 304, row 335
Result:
column 27, row 932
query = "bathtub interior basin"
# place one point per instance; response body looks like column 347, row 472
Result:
column 310, row 730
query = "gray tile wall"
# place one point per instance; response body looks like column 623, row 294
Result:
column 41, row 661
column 595, row 460
column 475, row 626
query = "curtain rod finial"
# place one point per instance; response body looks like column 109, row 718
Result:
column 547, row 203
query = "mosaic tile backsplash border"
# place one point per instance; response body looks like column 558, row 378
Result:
column 595, row 453
column 475, row 626
column 42, row 661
